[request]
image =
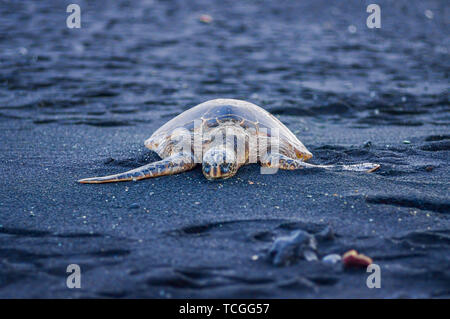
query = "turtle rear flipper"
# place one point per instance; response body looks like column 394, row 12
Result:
column 287, row 163
column 172, row 165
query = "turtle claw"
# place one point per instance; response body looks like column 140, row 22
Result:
column 363, row 167
column 83, row 181
column 374, row 168
column 91, row 180
column 99, row 180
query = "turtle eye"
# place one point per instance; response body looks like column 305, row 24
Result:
column 206, row 168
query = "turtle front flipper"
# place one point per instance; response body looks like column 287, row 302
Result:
column 287, row 163
column 172, row 165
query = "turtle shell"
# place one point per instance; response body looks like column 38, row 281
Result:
column 215, row 113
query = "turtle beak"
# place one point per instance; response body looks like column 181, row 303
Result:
column 212, row 175
column 214, row 172
column 211, row 171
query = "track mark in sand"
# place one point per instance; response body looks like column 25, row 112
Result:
column 47, row 252
column 225, row 274
column 388, row 257
column 23, row 232
column 297, row 283
column 113, row 294
column 9, row 275
column 201, row 271
column 110, row 253
column 200, row 229
column 21, row 255
column 306, row 226
column 85, row 121
column 176, row 279
column 324, row 280
column 425, row 204
column 258, row 232
column 42, row 233
column 428, row 238
column 204, row 278
column 79, row 235
column 436, row 146
column 435, row 138
column 264, row 236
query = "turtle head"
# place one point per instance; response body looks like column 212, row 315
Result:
column 219, row 162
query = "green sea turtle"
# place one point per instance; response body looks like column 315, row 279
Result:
column 223, row 135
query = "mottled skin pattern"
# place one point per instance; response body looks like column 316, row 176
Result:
column 168, row 166
column 229, row 133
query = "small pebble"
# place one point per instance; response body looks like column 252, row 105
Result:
column 205, row 18
column 331, row 259
column 353, row 259
column 352, row 29
column 287, row 248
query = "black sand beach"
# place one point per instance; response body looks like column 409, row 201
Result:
column 77, row 103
